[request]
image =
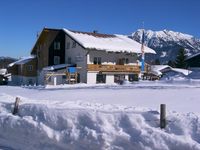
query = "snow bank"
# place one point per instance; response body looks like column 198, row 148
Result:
column 89, row 126
column 101, row 117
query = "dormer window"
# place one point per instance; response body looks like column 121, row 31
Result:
column 56, row 45
column 97, row 61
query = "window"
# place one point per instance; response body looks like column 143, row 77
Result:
column 119, row 78
column 68, row 45
column 120, row 61
column 133, row 77
column 127, row 61
column 101, row 78
column 69, row 60
column 29, row 68
column 73, row 44
column 97, row 60
column 56, row 60
column 123, row 61
column 57, row 45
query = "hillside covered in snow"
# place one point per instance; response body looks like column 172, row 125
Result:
column 101, row 117
column 166, row 43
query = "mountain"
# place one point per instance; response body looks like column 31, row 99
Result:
column 167, row 44
column 4, row 61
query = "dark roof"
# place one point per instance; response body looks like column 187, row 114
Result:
column 192, row 56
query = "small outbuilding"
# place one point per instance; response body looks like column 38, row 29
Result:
column 193, row 61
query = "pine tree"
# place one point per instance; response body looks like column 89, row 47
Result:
column 180, row 59
column 171, row 63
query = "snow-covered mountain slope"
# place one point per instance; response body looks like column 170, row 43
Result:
column 167, row 43
column 4, row 61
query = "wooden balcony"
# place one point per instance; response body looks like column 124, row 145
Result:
column 114, row 68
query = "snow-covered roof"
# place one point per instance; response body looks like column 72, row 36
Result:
column 157, row 69
column 22, row 61
column 3, row 71
column 183, row 71
column 56, row 67
column 112, row 43
column 192, row 56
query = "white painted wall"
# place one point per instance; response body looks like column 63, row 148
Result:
column 82, row 57
column 109, row 79
column 109, row 58
column 56, row 80
column 78, row 56
column 126, row 77
column 91, row 77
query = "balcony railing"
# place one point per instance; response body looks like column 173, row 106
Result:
column 114, row 68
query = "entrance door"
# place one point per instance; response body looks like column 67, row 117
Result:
column 101, row 78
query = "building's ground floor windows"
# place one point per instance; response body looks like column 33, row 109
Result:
column 119, row 78
column 111, row 78
column 101, row 78
column 133, row 77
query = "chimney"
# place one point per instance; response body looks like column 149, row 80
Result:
column 95, row 31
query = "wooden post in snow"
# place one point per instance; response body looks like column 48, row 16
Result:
column 163, row 116
column 16, row 106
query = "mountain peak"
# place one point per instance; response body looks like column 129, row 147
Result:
column 168, row 35
column 166, row 43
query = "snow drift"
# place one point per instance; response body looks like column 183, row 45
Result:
column 94, row 117
column 89, row 126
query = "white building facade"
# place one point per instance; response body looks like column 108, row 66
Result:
column 103, row 58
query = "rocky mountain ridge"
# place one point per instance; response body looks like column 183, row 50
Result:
column 167, row 43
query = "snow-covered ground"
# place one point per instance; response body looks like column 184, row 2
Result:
column 105, row 117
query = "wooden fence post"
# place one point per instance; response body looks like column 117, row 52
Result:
column 163, row 116
column 16, row 106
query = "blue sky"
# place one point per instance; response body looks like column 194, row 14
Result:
column 21, row 20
